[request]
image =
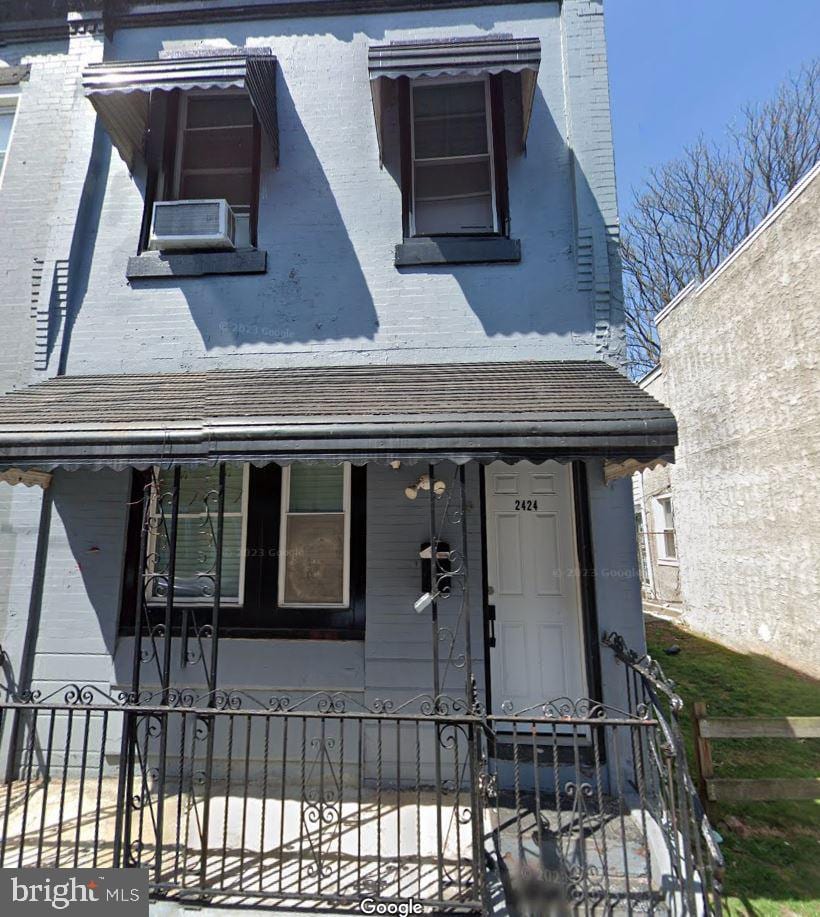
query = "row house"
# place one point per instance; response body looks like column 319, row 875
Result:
column 318, row 565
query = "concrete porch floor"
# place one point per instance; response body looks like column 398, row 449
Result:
column 294, row 850
column 598, row 864
column 297, row 851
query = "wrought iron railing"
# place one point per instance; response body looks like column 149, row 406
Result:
column 236, row 802
column 696, row 861
column 569, row 810
column 226, row 798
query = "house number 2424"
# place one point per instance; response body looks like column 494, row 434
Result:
column 526, row 506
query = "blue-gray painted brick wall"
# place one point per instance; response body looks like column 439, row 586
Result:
column 330, row 218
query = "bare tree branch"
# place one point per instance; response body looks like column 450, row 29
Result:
column 696, row 209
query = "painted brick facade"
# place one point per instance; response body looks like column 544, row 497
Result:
column 329, row 220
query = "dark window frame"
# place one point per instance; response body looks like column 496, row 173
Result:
column 498, row 132
column 259, row 607
column 162, row 138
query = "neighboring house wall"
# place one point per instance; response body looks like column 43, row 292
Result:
column 43, row 182
column 741, row 361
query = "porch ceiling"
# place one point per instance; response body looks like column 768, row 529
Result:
column 465, row 411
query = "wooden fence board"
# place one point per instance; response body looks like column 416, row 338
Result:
column 726, row 790
column 749, row 727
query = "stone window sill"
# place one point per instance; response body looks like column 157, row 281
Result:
column 158, row 265
column 457, row 250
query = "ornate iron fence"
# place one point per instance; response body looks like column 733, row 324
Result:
column 226, row 800
column 569, row 807
column 673, row 804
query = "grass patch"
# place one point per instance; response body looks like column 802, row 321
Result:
column 772, row 850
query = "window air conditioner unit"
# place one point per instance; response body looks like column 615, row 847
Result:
column 185, row 225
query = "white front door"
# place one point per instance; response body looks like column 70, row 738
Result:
column 533, row 582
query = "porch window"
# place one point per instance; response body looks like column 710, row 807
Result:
column 453, row 172
column 315, row 536
column 293, row 561
column 667, row 541
column 196, row 534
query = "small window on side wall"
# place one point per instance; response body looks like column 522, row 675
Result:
column 454, row 171
column 667, row 540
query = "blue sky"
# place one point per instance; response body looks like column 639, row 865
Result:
column 679, row 67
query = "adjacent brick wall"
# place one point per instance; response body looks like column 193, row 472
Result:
column 742, row 366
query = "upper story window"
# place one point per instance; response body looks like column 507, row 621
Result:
column 216, row 155
column 8, row 109
column 643, row 566
column 202, row 147
column 452, row 140
column 453, row 171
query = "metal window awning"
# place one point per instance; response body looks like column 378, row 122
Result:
column 120, row 91
column 456, row 57
column 458, row 412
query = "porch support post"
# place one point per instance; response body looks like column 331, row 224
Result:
column 125, row 777
column 166, row 673
column 220, row 520
column 139, row 608
column 169, row 598
column 470, row 688
column 212, row 680
column 434, row 581
column 436, row 674
column 10, row 742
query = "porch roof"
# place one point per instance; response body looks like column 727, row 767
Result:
column 465, row 411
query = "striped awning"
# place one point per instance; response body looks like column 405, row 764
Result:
column 120, row 90
column 456, row 57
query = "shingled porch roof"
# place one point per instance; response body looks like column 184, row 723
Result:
column 463, row 411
